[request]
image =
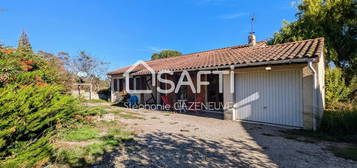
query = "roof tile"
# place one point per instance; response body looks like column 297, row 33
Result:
column 234, row 55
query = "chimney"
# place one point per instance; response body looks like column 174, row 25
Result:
column 251, row 39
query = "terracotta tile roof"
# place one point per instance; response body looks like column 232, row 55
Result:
column 241, row 54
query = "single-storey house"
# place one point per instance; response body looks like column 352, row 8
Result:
column 279, row 84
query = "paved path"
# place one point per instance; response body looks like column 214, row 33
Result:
column 181, row 140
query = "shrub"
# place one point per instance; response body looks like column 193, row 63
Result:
column 32, row 106
column 104, row 94
column 341, row 124
column 336, row 89
column 353, row 87
column 28, row 118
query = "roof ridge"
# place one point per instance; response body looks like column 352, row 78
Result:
column 241, row 46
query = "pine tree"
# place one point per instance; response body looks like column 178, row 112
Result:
column 24, row 45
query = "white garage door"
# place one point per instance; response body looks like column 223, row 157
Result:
column 271, row 96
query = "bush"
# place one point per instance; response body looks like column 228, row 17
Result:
column 28, row 118
column 341, row 124
column 336, row 89
column 32, row 106
column 104, row 94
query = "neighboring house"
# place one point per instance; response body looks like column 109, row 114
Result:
column 279, row 84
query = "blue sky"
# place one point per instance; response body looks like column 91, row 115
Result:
column 123, row 31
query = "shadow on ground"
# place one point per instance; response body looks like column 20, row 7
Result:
column 177, row 150
column 205, row 114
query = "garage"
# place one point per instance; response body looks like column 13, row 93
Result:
column 270, row 96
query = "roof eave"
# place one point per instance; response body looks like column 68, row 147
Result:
column 276, row 62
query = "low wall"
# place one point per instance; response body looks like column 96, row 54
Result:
column 85, row 95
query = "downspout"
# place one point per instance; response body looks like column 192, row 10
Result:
column 313, row 95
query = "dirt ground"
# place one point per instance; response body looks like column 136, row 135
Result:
column 164, row 139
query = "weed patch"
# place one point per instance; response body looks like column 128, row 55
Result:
column 95, row 101
column 348, row 152
column 81, row 134
column 106, row 134
column 340, row 124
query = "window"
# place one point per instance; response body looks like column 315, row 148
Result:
column 143, row 83
column 137, row 83
column 131, row 84
column 115, row 83
column 121, row 85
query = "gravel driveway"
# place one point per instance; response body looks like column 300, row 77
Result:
column 181, row 140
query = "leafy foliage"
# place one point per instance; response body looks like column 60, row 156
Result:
column 333, row 19
column 24, row 45
column 32, row 106
column 28, row 118
column 341, row 124
column 336, row 89
column 59, row 73
column 165, row 54
column 86, row 69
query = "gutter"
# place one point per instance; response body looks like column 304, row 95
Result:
column 300, row 60
column 309, row 64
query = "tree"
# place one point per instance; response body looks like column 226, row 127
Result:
column 337, row 90
column 333, row 19
column 85, row 68
column 60, row 74
column 32, row 106
column 165, row 54
column 24, row 44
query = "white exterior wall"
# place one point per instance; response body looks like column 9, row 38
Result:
column 321, row 85
column 228, row 98
column 114, row 96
